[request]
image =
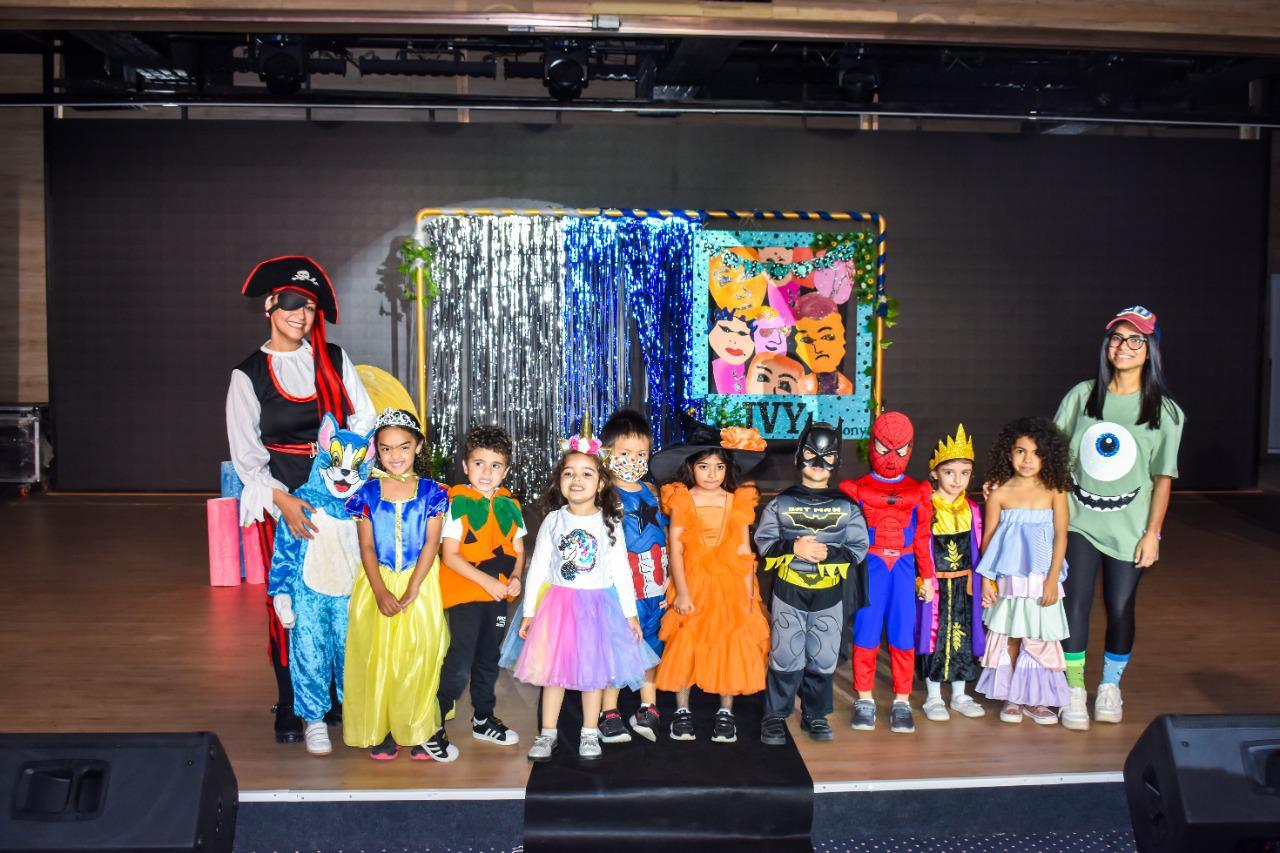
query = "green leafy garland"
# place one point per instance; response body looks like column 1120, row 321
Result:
column 413, row 256
column 863, row 254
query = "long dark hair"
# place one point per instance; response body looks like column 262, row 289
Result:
column 606, row 498
column 1154, row 389
column 684, row 473
column 1051, row 447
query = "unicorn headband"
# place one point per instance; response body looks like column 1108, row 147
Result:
column 584, row 441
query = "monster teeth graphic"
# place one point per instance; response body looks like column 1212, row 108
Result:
column 1104, row 503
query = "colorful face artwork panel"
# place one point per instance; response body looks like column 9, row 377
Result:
column 786, row 329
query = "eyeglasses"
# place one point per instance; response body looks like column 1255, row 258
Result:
column 1133, row 341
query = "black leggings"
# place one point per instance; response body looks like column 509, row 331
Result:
column 1119, row 593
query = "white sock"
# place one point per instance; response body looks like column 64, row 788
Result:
column 683, row 709
column 935, row 689
column 548, row 732
column 592, row 732
column 728, row 711
column 957, row 690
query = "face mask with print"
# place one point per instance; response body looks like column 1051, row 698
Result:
column 628, row 469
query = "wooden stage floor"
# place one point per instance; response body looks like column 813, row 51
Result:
column 107, row 623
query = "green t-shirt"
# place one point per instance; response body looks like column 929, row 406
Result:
column 1112, row 463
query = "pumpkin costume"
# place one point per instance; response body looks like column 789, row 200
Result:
column 486, row 531
column 723, row 645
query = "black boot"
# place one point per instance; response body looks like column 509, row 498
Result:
column 288, row 725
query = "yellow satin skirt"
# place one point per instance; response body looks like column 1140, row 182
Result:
column 393, row 663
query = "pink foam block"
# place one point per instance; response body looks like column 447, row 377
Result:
column 250, row 540
column 224, row 541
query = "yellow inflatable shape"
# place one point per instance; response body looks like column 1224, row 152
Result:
column 384, row 389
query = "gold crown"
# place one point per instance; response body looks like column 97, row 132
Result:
column 960, row 447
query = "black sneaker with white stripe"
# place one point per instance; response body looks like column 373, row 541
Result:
column 494, row 731
column 612, row 729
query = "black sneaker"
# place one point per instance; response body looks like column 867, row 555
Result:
column 773, row 731
column 645, row 722
column 724, row 729
column 437, row 748
column 682, row 725
column 288, row 726
column 864, row 715
column 900, row 719
column 385, row 751
column 818, row 728
column 612, row 729
column 494, row 731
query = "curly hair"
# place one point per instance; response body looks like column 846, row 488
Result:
column 1051, row 447
column 684, row 474
column 606, row 498
column 488, row 437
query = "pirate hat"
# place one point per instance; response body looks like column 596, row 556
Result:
column 294, row 274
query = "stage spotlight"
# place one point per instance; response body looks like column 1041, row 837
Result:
column 281, row 64
column 564, row 70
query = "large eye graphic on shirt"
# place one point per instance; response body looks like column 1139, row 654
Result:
column 1107, row 452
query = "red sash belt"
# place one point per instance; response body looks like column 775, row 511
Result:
column 308, row 449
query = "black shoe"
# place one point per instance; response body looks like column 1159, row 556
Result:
column 682, row 725
column 724, row 729
column 612, row 729
column 900, row 719
column 818, row 728
column 334, row 717
column 493, row 730
column 645, row 722
column 773, row 731
column 288, row 726
column 864, row 715
column 385, row 751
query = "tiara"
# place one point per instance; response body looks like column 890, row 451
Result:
column 583, row 442
column 960, row 447
column 397, row 418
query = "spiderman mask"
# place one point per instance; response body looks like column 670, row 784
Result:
column 890, row 448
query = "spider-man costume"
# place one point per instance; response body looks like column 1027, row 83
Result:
column 899, row 516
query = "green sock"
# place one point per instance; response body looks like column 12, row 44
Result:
column 1075, row 668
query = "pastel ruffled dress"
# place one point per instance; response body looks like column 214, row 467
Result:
column 1018, row 559
column 393, row 663
column 579, row 594
column 722, row 647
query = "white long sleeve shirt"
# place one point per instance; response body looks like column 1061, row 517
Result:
column 574, row 551
column 296, row 373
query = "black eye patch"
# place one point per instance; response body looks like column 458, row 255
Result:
column 288, row 300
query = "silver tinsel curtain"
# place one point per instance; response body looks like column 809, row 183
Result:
column 494, row 336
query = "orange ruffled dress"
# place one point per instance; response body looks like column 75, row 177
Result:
column 723, row 646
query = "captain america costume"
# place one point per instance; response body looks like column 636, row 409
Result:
column 644, row 527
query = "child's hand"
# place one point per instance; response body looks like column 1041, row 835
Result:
column 1049, row 596
column 496, row 589
column 988, row 592
column 513, row 587
column 926, row 590
column 635, row 628
column 683, row 604
column 524, row 627
column 409, row 595
column 388, row 604
column 809, row 549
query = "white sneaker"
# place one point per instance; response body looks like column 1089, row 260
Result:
column 1108, row 704
column 543, row 746
column 966, row 706
column 317, row 737
column 936, row 710
column 589, row 746
column 1010, row 712
column 1075, row 715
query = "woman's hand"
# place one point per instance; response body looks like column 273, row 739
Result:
column 988, row 592
column 1049, row 595
column 1148, row 550
column 524, row 627
column 388, row 604
column 635, row 628
column 291, row 513
column 683, row 604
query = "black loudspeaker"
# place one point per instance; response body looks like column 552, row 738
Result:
column 1206, row 783
column 141, row 792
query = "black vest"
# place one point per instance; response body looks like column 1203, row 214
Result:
column 284, row 419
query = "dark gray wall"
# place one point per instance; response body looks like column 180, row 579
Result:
column 1008, row 254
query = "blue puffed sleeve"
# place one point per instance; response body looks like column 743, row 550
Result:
column 435, row 496
column 360, row 505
